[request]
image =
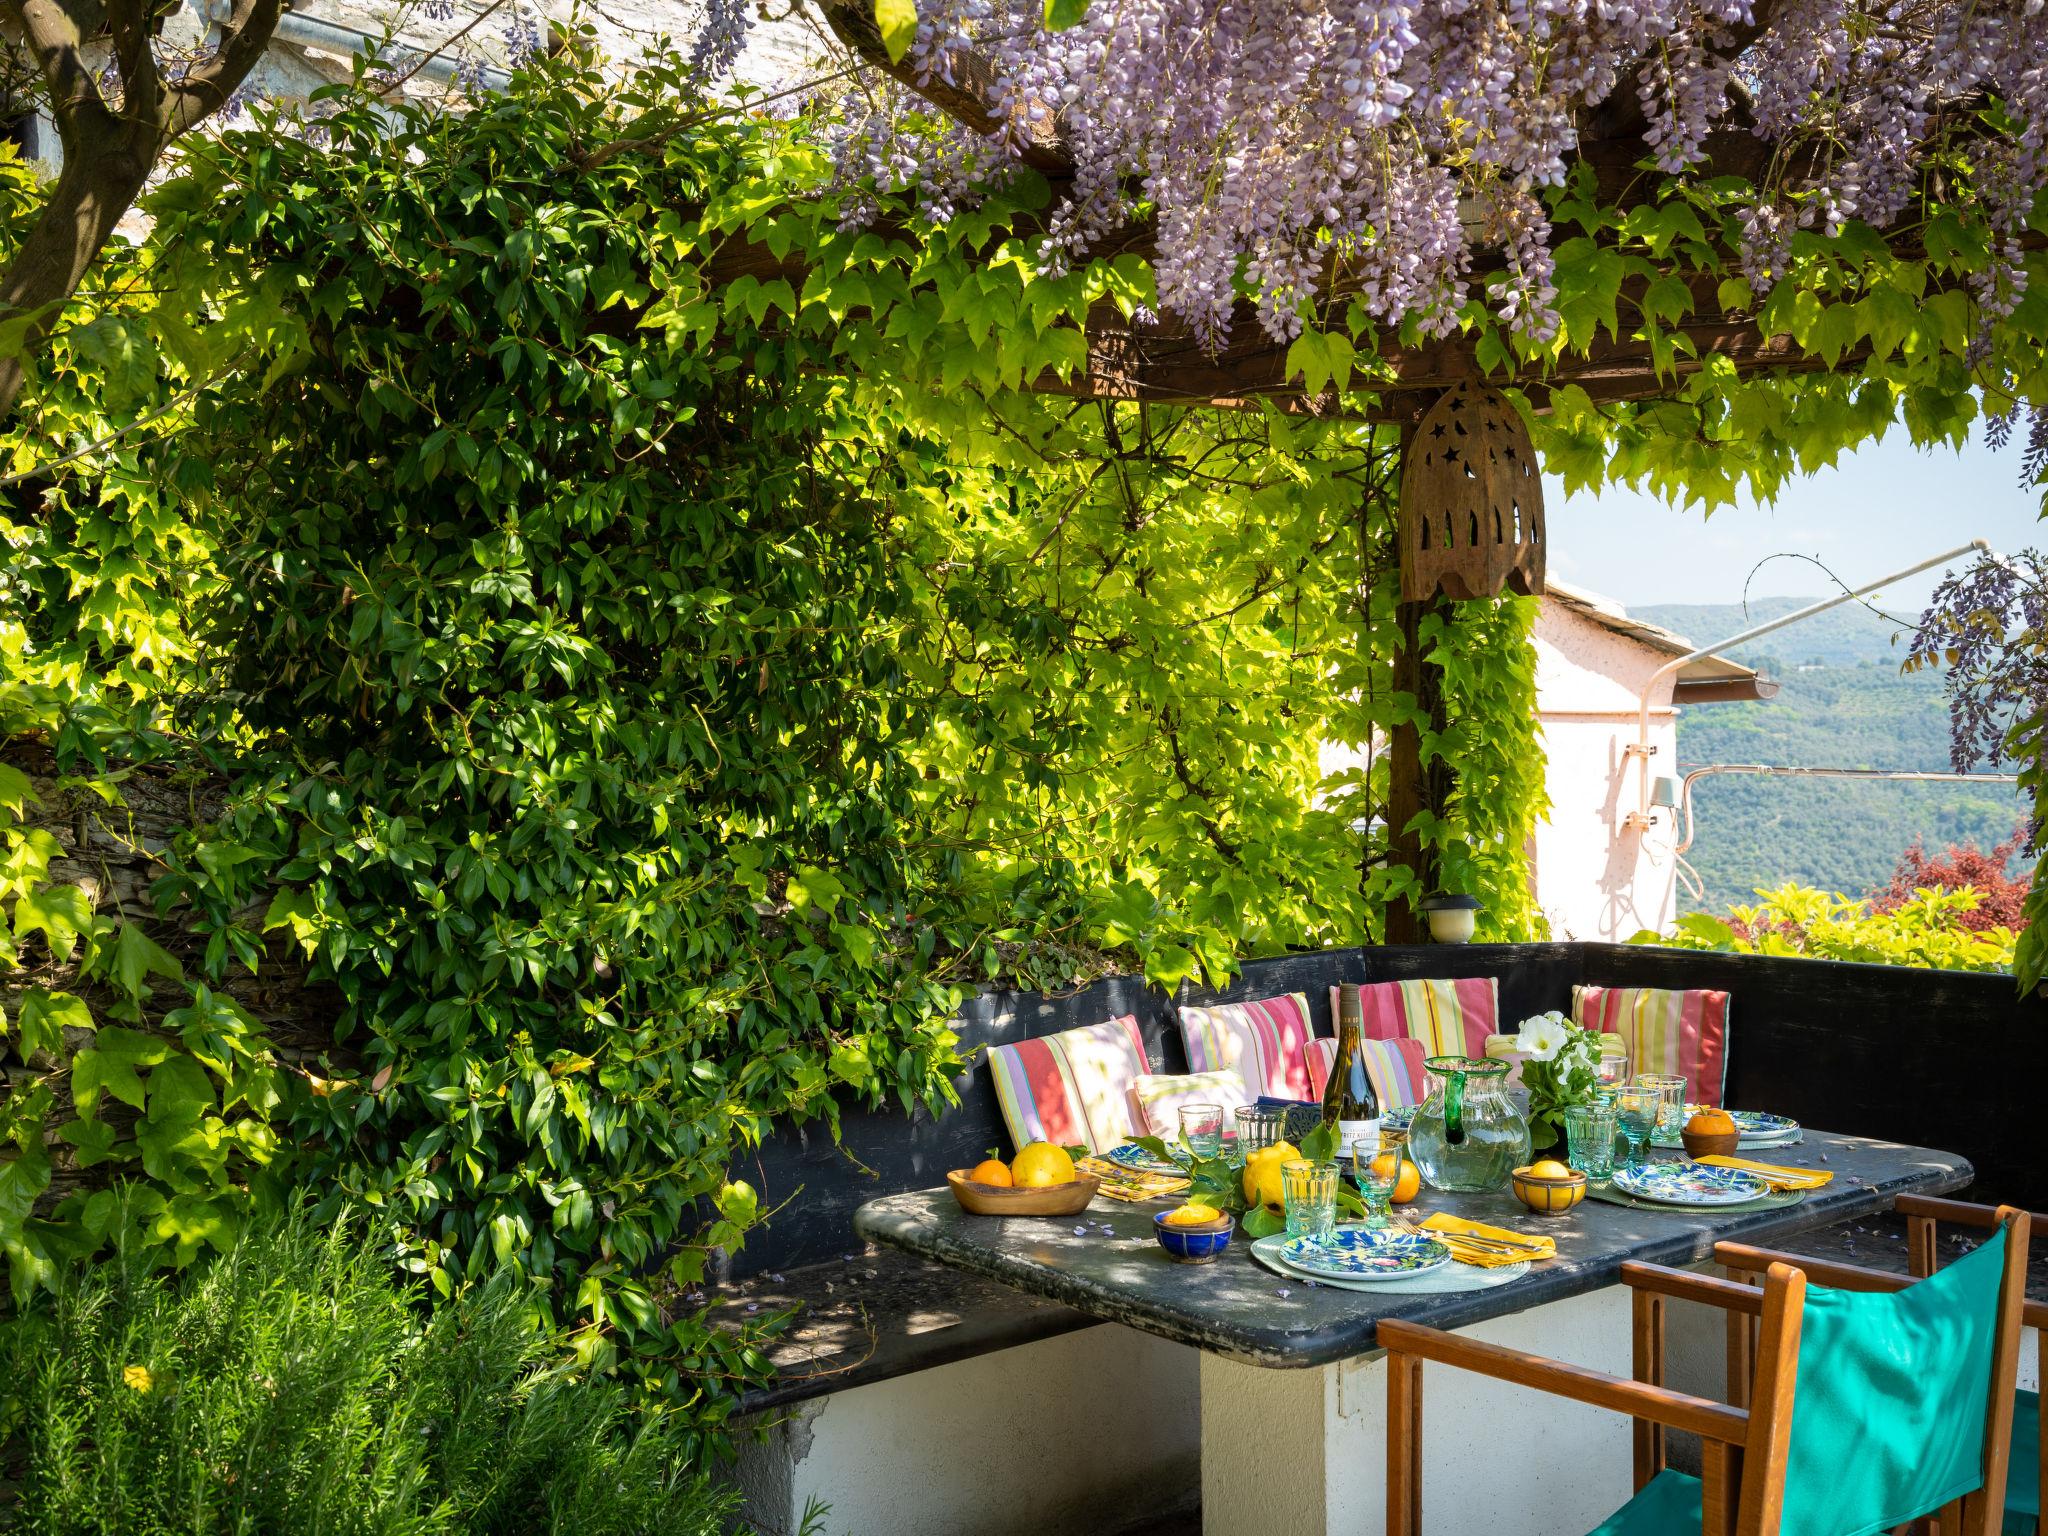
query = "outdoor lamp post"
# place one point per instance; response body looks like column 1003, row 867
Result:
column 1451, row 918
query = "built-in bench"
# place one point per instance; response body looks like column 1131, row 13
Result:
column 1900, row 1054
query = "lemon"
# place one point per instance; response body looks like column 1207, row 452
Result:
column 1262, row 1172
column 1192, row 1215
column 1549, row 1168
column 1039, row 1164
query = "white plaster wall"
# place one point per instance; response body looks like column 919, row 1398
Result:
column 1305, row 1452
column 1595, row 879
column 1077, row 1435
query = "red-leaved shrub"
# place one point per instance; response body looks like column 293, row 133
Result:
column 1956, row 866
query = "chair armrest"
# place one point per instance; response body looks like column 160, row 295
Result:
column 1729, row 1295
column 1675, row 1410
column 1961, row 1213
column 1847, row 1277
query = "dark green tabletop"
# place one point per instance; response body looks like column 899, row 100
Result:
column 1113, row 1269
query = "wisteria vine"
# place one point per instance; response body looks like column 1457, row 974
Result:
column 1400, row 136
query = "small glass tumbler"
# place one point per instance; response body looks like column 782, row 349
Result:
column 1670, row 1101
column 1377, row 1180
column 1259, row 1125
column 1611, row 1069
column 1637, row 1107
column 1308, row 1193
column 1590, row 1128
column 1201, row 1127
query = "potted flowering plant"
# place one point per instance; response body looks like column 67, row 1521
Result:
column 1560, row 1072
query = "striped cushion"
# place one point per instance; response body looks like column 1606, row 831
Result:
column 1160, row 1097
column 1393, row 1066
column 1681, row 1034
column 1450, row 1018
column 1072, row 1088
column 1263, row 1041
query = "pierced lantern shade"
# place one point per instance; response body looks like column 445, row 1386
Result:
column 1471, row 501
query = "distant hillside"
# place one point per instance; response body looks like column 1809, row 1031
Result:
column 1843, row 704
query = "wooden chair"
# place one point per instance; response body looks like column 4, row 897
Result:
column 2022, row 1503
column 1744, row 1449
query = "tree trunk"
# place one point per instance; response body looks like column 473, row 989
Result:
column 1412, row 785
column 97, row 185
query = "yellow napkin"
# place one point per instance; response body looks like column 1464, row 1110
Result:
column 1450, row 1228
column 1133, row 1185
column 1774, row 1174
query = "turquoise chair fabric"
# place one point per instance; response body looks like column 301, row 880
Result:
column 1888, row 1423
column 1669, row 1505
column 2023, row 1468
column 1893, row 1390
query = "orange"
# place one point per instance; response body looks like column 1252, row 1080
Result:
column 990, row 1170
column 1711, row 1122
column 1039, row 1164
column 1410, row 1184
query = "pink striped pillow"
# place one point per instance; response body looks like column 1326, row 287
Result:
column 1262, row 1041
column 1680, row 1034
column 1450, row 1018
column 1072, row 1088
column 1394, row 1067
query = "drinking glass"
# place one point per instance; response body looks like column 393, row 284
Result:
column 1377, row 1181
column 1671, row 1101
column 1201, row 1127
column 1590, row 1130
column 1308, row 1193
column 1259, row 1125
column 1637, row 1106
column 1610, row 1071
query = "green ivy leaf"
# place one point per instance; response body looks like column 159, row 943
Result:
column 109, row 1064
column 93, row 1139
column 45, row 1016
column 137, row 957
column 59, row 912
column 897, row 20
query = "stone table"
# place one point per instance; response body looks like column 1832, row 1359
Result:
column 1293, row 1392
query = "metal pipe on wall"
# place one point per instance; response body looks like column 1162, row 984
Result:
column 1903, row 775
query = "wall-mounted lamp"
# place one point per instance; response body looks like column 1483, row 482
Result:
column 1451, row 918
column 1664, row 793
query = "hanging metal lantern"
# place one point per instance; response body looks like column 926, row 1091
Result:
column 1471, row 501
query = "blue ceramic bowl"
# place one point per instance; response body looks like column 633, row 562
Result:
column 1192, row 1245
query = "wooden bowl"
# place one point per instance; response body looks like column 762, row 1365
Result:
column 1699, row 1144
column 1549, row 1197
column 1047, row 1200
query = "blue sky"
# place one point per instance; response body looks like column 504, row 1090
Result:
column 1888, row 506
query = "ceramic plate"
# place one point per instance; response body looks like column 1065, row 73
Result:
column 1757, row 1128
column 1366, row 1253
column 1690, row 1184
column 1397, row 1119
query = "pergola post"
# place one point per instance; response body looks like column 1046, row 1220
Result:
column 1414, row 786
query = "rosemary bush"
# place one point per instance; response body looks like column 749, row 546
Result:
column 291, row 1387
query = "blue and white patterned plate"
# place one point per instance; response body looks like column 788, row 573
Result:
column 1366, row 1253
column 1397, row 1119
column 1756, row 1128
column 1690, row 1184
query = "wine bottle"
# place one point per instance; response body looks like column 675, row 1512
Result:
column 1348, row 1100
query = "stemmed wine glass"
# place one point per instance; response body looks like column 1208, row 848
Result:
column 1637, row 1107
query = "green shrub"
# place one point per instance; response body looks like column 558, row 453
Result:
column 290, row 1386
column 1928, row 930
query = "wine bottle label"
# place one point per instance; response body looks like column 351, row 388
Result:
column 1351, row 1132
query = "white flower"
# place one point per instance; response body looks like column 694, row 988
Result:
column 1542, row 1038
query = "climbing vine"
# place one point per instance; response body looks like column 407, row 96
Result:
column 557, row 715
